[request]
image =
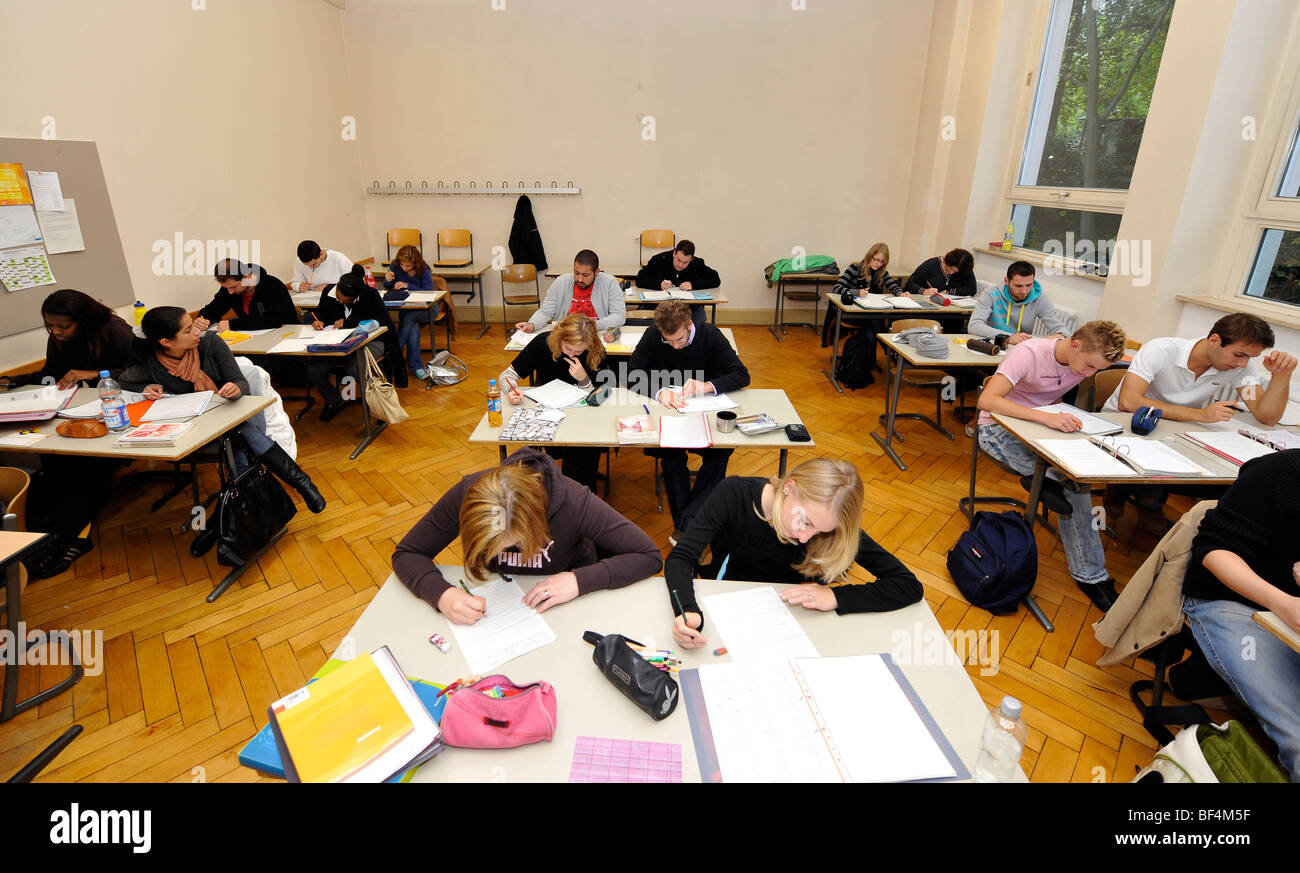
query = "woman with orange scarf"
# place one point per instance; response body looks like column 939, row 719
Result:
column 177, row 359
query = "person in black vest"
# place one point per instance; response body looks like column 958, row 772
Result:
column 679, row 268
column 675, row 360
column 349, row 303
column 953, row 274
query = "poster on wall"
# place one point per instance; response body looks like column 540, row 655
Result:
column 13, row 186
column 23, row 268
column 62, row 230
column 47, row 193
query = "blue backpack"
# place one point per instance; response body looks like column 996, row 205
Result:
column 995, row 563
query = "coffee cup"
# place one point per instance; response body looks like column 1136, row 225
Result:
column 726, row 421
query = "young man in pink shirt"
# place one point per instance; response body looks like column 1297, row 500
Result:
column 1036, row 373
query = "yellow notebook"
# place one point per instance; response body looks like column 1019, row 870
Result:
column 362, row 722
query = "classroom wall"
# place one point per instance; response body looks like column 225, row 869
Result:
column 219, row 123
column 774, row 127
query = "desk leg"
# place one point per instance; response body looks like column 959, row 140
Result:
column 482, row 312
column 776, row 311
column 501, row 450
column 371, row 433
column 1031, row 511
column 892, row 409
column 238, row 571
column 780, row 470
column 11, row 705
column 835, row 351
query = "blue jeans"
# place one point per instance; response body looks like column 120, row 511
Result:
column 1261, row 669
column 1084, row 555
column 408, row 334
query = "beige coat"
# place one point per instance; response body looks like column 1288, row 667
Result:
column 1150, row 608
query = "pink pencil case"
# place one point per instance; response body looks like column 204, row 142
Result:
column 474, row 720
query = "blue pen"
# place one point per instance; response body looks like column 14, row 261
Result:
column 646, row 408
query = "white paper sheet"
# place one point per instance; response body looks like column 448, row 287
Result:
column 42, row 399
column 1284, row 438
column 707, row 403
column 47, row 194
column 93, row 410
column 685, row 432
column 1082, row 458
column 873, row 301
column 756, row 624
column 551, row 415
column 18, row 227
column 519, row 339
column 1238, row 448
column 21, row 440
column 1155, row 456
column 556, row 394
column 288, row 345
column 1093, row 425
column 421, row 297
column 963, row 302
column 327, row 336
column 62, row 229
column 507, row 629
column 180, row 406
column 904, row 303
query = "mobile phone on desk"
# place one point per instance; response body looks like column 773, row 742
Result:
column 797, row 433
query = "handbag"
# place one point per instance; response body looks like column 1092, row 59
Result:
column 251, row 508
column 473, row 719
column 641, row 682
column 381, row 396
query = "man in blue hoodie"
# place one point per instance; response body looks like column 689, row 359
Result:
column 1013, row 308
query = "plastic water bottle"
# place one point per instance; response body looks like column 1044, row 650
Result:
column 494, row 404
column 1009, row 237
column 1004, row 740
column 139, row 310
column 111, row 403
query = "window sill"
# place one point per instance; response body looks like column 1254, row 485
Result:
column 1278, row 314
column 1039, row 260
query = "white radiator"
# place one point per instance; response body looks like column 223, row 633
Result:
column 1070, row 318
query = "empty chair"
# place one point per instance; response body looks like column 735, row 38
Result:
column 656, row 241
column 456, row 238
column 515, row 279
column 935, row 380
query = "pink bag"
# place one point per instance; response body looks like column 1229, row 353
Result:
column 474, row 720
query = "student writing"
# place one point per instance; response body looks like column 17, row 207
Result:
column 800, row 527
column 258, row 299
column 351, row 302
column 409, row 272
column 587, row 291
column 523, row 517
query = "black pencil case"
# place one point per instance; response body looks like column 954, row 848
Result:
column 650, row 688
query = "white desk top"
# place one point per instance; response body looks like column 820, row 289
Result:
column 589, row 706
column 927, row 310
column 469, row 271
column 207, row 427
column 596, row 426
column 958, row 354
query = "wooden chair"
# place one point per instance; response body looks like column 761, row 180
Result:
column 657, row 240
column 402, row 236
column 935, row 380
column 515, row 277
column 1103, row 385
column 456, row 238
column 14, row 484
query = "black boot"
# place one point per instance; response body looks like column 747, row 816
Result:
column 204, row 541
column 292, row 475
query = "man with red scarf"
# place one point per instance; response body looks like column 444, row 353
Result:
column 588, row 291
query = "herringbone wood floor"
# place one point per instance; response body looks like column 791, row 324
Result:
column 186, row 683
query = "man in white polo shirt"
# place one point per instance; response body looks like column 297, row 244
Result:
column 1182, row 377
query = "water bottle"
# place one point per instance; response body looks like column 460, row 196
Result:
column 1009, row 237
column 1004, row 740
column 111, row 404
column 493, row 404
column 139, row 310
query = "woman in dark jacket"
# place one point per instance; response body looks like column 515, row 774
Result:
column 176, row 359
column 346, row 305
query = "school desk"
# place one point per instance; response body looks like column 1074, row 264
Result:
column 623, row 348
column 304, row 301
column 1222, row 472
column 597, row 426
column 473, row 274
column 262, row 345
column 632, row 297
column 779, row 324
column 853, row 312
column 902, row 357
column 587, row 705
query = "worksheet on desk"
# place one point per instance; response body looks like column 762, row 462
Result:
column 707, row 403
column 756, row 624
column 507, row 629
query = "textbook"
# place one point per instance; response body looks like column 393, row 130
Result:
column 1149, row 457
column 656, row 295
column 162, row 434
column 872, row 301
column 38, row 404
column 635, row 429
column 363, row 722
column 685, row 432
column 262, row 754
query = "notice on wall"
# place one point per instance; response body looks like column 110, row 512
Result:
column 25, row 268
column 18, row 226
column 62, row 230
column 13, row 186
column 47, row 193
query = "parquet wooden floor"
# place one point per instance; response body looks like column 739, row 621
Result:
column 186, row 683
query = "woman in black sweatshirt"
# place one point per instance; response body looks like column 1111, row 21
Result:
column 801, row 528
column 346, row 305
column 953, row 274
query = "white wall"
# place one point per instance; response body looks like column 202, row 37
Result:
column 774, row 127
column 218, row 124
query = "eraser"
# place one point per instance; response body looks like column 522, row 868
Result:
column 721, row 651
column 441, row 642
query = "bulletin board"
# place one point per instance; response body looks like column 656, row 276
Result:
column 99, row 269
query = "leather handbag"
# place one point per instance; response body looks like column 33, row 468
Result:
column 251, row 509
column 650, row 688
column 475, row 718
column 381, row 396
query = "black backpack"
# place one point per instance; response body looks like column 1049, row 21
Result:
column 854, row 367
column 995, row 563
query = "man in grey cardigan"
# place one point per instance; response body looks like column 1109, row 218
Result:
column 1013, row 308
column 587, row 290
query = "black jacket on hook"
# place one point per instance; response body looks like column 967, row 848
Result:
column 525, row 239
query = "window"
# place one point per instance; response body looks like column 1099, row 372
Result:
column 1276, row 272
column 1074, row 241
column 1272, row 227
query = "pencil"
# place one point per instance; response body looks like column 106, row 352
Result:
column 466, row 587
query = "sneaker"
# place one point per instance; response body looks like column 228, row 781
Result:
column 60, row 561
column 422, row 374
column 1102, row 594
